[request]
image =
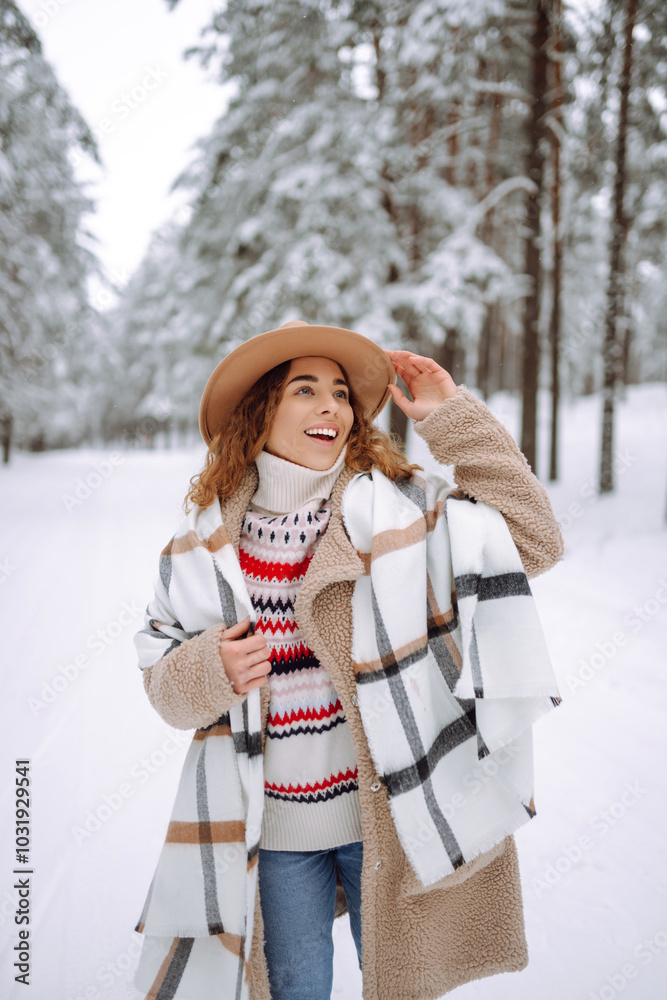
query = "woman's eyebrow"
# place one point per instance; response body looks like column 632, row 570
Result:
column 314, row 378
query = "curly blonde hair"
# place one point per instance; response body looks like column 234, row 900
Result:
column 243, row 437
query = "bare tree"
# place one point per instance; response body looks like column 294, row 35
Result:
column 556, row 132
column 613, row 351
column 491, row 324
column 535, row 171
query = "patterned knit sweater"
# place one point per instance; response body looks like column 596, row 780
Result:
column 311, row 799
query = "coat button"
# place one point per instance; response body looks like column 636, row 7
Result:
column 355, row 700
column 376, row 786
column 378, row 864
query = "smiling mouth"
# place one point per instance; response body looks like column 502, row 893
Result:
column 326, row 436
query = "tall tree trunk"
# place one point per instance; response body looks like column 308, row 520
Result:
column 453, row 118
column 535, row 170
column 451, row 354
column 484, row 353
column 422, row 124
column 6, row 424
column 398, row 420
column 380, row 75
column 629, row 372
column 504, row 368
column 555, row 324
column 490, row 325
column 612, row 357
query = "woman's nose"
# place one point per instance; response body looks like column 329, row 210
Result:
column 328, row 404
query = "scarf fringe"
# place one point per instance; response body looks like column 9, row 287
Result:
column 509, row 734
column 500, row 691
column 180, row 932
column 481, row 845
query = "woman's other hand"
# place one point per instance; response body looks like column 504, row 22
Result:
column 428, row 383
column 246, row 661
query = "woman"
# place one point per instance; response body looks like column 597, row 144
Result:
column 354, row 646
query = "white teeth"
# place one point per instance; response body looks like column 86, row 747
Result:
column 329, row 431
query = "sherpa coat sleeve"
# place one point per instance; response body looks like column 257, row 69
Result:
column 489, row 466
column 188, row 687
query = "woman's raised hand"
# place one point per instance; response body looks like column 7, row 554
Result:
column 246, row 661
column 429, row 384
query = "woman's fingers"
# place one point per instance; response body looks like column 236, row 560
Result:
column 258, row 664
column 250, row 644
column 401, row 400
column 417, row 371
column 236, row 639
column 415, row 364
column 251, row 678
column 260, row 669
column 250, row 685
column 244, row 657
column 404, row 357
column 234, row 631
column 241, row 661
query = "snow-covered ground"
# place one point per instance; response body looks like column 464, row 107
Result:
column 77, row 560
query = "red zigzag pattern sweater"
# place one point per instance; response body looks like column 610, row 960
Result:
column 311, row 799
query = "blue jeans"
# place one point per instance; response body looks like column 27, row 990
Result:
column 298, row 893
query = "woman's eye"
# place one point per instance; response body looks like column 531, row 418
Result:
column 341, row 393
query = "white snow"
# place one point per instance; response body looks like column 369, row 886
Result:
column 593, row 859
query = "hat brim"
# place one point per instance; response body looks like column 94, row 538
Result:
column 368, row 367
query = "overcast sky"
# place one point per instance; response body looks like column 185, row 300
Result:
column 121, row 62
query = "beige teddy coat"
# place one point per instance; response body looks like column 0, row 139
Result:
column 417, row 943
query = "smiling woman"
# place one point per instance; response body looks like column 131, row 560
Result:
column 306, row 623
column 314, row 417
column 249, row 412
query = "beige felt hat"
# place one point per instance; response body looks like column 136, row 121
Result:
column 369, row 368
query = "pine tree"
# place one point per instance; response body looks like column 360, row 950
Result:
column 44, row 265
column 370, row 171
column 321, row 190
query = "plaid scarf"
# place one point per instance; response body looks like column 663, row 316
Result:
column 451, row 670
column 450, row 663
column 199, row 912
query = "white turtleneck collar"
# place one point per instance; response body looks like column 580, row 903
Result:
column 285, row 487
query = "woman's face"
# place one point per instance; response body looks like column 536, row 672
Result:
column 314, row 416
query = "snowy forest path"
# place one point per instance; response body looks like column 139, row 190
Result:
column 104, row 767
